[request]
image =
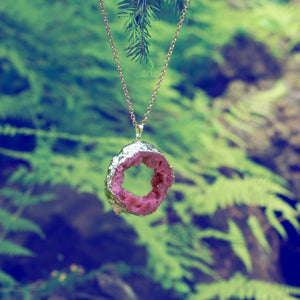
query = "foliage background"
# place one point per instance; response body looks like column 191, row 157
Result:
column 63, row 117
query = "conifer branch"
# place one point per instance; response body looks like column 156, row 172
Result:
column 139, row 14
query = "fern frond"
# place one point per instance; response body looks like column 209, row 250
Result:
column 161, row 263
column 255, row 109
column 9, row 130
column 258, row 233
column 273, row 220
column 291, row 216
column 236, row 239
column 11, row 249
column 184, row 244
column 13, row 223
column 240, row 287
column 6, row 279
column 184, row 235
column 238, row 245
column 252, row 192
column 222, row 131
column 21, row 198
column 173, row 251
column 248, row 191
column 77, row 172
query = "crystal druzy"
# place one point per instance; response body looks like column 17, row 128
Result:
column 133, row 155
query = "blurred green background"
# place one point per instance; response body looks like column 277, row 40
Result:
column 227, row 119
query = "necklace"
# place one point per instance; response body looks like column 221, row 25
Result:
column 139, row 151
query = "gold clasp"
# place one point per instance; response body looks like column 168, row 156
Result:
column 138, row 131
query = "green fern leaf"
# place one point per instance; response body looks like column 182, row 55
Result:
column 289, row 215
column 212, row 233
column 273, row 220
column 23, row 199
column 236, row 239
column 258, row 233
column 6, row 279
column 11, row 249
column 249, row 191
column 240, row 287
column 13, row 223
column 238, row 245
column 26, row 294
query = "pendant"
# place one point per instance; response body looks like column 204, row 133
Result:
column 131, row 155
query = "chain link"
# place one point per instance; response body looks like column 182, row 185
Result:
column 162, row 73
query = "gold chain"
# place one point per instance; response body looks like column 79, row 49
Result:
column 139, row 128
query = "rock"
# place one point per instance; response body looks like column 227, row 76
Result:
column 115, row 287
column 295, row 141
column 292, row 71
column 79, row 232
column 246, row 60
column 265, row 265
column 249, row 60
column 275, row 142
column 235, row 89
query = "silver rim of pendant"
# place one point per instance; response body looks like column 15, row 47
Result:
column 129, row 152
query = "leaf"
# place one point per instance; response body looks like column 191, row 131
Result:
column 271, row 216
column 26, row 294
column 238, row 245
column 260, row 192
column 240, row 287
column 11, row 249
column 259, row 233
column 6, row 279
column 13, row 223
column 24, row 199
column 290, row 216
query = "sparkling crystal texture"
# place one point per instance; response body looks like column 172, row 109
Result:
column 133, row 155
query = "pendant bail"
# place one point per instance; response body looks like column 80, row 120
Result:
column 138, row 131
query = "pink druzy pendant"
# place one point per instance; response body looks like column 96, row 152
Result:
column 133, row 155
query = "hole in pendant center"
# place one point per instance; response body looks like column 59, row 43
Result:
column 137, row 180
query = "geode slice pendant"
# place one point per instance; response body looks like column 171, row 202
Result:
column 133, row 155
